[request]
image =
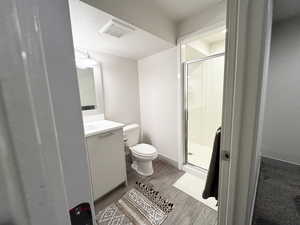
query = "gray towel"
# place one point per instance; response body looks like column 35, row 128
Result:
column 212, row 181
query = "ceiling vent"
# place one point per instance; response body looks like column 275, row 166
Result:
column 116, row 29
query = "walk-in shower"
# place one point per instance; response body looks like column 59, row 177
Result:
column 203, row 95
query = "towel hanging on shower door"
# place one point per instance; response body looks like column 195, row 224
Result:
column 212, row 181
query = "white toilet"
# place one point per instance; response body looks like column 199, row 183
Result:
column 143, row 154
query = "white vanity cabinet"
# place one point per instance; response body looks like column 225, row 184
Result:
column 107, row 161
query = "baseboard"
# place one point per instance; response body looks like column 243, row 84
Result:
column 168, row 160
column 281, row 160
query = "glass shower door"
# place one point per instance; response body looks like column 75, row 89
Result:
column 203, row 107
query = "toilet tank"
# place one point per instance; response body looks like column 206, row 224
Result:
column 132, row 134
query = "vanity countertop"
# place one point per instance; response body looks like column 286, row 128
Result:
column 100, row 127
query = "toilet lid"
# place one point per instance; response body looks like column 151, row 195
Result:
column 144, row 150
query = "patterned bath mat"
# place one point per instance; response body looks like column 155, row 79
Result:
column 142, row 205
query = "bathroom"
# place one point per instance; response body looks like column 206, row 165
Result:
column 138, row 112
column 135, row 103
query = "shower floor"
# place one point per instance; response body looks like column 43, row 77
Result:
column 199, row 155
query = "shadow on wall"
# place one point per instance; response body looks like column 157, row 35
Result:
column 146, row 139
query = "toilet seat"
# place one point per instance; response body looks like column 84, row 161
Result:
column 144, row 151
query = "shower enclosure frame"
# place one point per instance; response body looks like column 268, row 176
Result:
column 185, row 105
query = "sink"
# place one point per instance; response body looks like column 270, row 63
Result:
column 100, row 126
column 90, row 126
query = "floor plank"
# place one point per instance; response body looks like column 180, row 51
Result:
column 188, row 211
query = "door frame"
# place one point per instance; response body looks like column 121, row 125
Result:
column 246, row 68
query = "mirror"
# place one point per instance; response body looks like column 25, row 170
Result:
column 87, row 88
column 90, row 87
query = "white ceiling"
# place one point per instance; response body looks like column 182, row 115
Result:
column 284, row 9
column 178, row 10
column 86, row 22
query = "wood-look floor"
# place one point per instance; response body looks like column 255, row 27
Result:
column 188, row 211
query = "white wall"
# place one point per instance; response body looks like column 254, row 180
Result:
column 121, row 91
column 210, row 17
column 217, row 47
column 190, row 53
column 159, row 102
column 282, row 116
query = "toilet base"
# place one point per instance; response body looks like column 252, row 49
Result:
column 143, row 168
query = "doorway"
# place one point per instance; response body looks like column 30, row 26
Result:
column 203, row 63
